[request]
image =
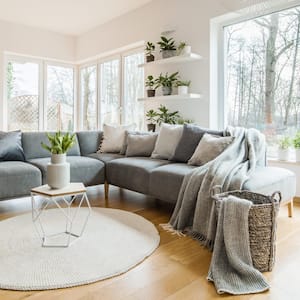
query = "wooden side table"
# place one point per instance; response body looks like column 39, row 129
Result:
column 54, row 196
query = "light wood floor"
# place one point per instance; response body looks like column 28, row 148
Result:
column 178, row 268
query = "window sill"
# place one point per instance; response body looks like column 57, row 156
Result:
column 276, row 160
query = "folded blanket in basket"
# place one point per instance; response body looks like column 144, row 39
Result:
column 231, row 267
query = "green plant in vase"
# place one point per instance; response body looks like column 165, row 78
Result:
column 151, row 116
column 151, row 85
column 165, row 116
column 284, row 144
column 167, row 47
column 167, row 82
column 296, row 144
column 149, row 49
column 183, row 86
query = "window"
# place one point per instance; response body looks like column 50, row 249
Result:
column 22, row 95
column 110, row 91
column 60, row 98
column 262, row 73
column 133, row 111
column 88, row 81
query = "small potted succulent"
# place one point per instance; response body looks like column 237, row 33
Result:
column 284, row 148
column 152, row 119
column 296, row 143
column 184, row 48
column 167, row 47
column 151, row 85
column 149, row 49
column 183, row 87
column 167, row 82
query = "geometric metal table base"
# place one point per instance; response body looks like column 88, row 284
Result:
column 74, row 191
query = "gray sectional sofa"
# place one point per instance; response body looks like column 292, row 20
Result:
column 155, row 177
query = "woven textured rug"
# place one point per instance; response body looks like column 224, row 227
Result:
column 113, row 242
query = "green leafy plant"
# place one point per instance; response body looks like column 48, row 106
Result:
column 296, row 140
column 166, row 44
column 166, row 80
column 151, row 116
column 59, row 143
column 181, row 46
column 182, row 121
column 284, row 143
column 165, row 116
column 182, row 83
column 150, row 82
column 150, row 47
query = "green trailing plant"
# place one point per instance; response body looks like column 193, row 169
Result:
column 284, row 143
column 165, row 116
column 59, row 143
column 182, row 83
column 149, row 48
column 296, row 140
column 151, row 116
column 166, row 80
column 166, row 44
column 182, row 121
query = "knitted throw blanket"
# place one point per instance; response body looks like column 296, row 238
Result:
column 194, row 212
column 231, row 267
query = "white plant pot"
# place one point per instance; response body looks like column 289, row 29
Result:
column 183, row 90
column 58, row 172
column 283, row 154
column 297, row 151
column 186, row 50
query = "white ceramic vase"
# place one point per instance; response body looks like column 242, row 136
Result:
column 283, row 154
column 297, row 151
column 58, row 171
column 183, row 90
column 186, row 50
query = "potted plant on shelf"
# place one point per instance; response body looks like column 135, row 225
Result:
column 184, row 49
column 165, row 116
column 296, row 143
column 149, row 49
column 183, row 87
column 167, row 82
column 284, row 148
column 151, row 85
column 58, row 171
column 167, row 47
column 152, row 119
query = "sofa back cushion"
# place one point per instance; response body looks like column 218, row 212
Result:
column 11, row 146
column 190, row 138
column 89, row 141
column 140, row 145
column 31, row 142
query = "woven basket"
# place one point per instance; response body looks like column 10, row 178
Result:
column 262, row 225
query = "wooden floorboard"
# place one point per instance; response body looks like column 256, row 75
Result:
column 178, row 268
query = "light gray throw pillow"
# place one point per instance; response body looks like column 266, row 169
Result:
column 209, row 147
column 140, row 145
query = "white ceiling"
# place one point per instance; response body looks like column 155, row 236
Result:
column 72, row 17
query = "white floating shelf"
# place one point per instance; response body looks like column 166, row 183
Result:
column 173, row 60
column 172, row 97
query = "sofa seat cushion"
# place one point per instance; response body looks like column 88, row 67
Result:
column 18, row 178
column 132, row 173
column 267, row 180
column 165, row 181
column 105, row 157
column 83, row 169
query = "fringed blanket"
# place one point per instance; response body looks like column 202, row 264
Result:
column 231, row 267
column 194, row 212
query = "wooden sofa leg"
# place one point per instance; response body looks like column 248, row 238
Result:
column 290, row 208
column 106, row 190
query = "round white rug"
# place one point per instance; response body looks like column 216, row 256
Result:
column 113, row 242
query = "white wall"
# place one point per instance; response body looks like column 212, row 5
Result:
column 33, row 42
column 190, row 19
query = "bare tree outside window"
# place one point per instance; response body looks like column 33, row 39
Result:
column 263, row 73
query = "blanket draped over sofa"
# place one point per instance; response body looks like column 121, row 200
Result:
column 194, row 212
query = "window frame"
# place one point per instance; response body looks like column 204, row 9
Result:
column 218, row 103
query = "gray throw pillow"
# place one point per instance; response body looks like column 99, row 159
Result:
column 125, row 142
column 209, row 148
column 11, row 146
column 189, row 140
column 140, row 145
